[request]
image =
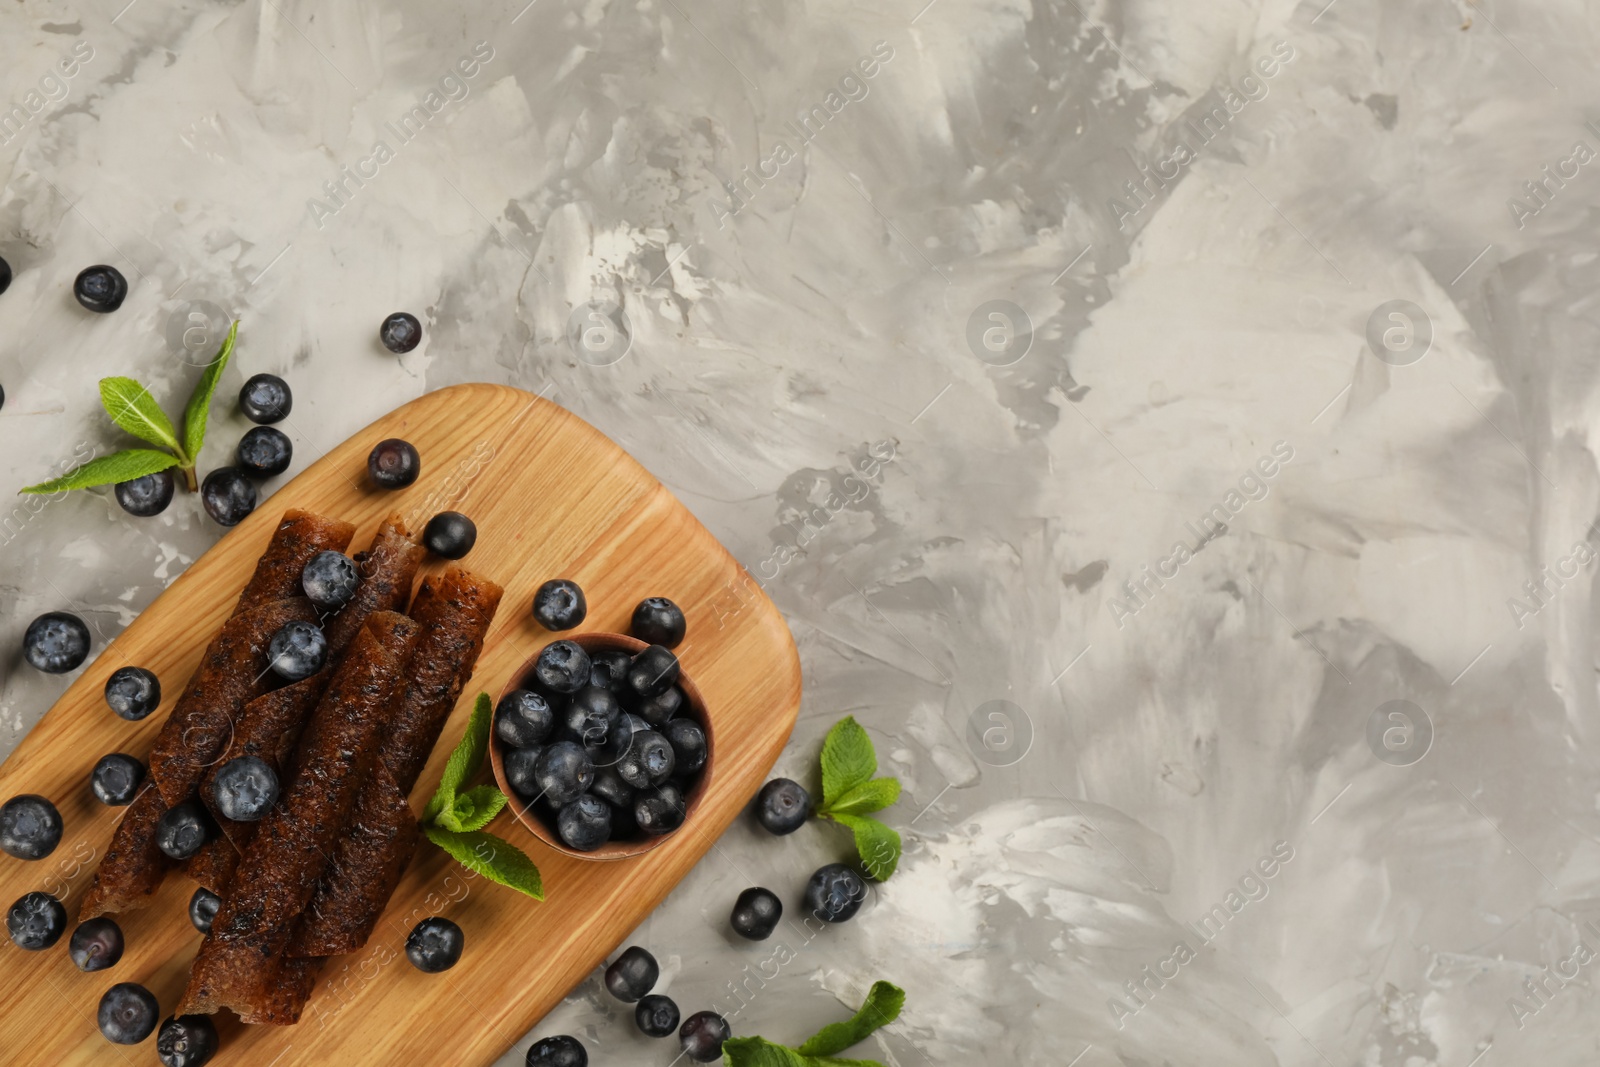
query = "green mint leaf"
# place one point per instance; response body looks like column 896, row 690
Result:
column 194, row 416
column 882, row 1007
column 847, row 759
column 465, row 760
column 107, row 470
column 759, row 1052
column 473, row 810
column 878, row 845
column 131, row 407
column 497, row 860
column 866, row 797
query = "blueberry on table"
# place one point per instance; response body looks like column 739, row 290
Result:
column 5, row 283
column 100, row 288
column 229, row 496
column 591, row 714
column 128, row 1013
column 30, row 827
column 585, row 823
column 265, row 451
column 146, row 496
column 608, row 669
column 658, row 621
column 523, row 718
column 659, row 811
column 558, row 1051
column 834, row 893
column 702, row 1035
column 96, row 944
column 36, row 921
column 562, row 667
column 265, row 399
column 56, row 642
column 181, row 830
column 522, row 770
column 559, row 605
column 298, row 650
column 632, row 975
column 394, row 464
column 450, row 535
column 434, row 945
column 203, row 909
column 186, row 1041
column 661, row 707
column 648, row 762
column 609, row 786
column 245, row 789
column 330, row 580
column 688, row 741
column 756, row 913
column 116, row 779
column 653, row 671
column 400, row 332
column 782, row 806
column 563, row 772
column 656, row 1015
column 133, row 692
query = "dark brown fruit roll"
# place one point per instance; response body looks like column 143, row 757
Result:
column 133, row 865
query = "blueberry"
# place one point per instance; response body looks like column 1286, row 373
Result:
column 100, row 288
column 450, row 535
column 659, row 811
column 186, row 1041
column 265, row 399
column 702, row 1035
column 203, row 909
column 96, row 944
column 653, row 671
column 330, row 580
column 559, row 605
column 688, row 740
column 265, row 451
column 756, row 913
column 36, row 921
column 182, row 830
column 620, row 742
column 133, row 692
column 558, row 1051
column 834, row 893
column 56, row 642
column 128, row 1013
column 563, row 772
column 394, row 464
column 782, row 806
column 5, row 283
column 30, row 827
column 609, row 786
column 562, row 667
column 228, row 495
column 245, row 789
column 632, row 975
column 400, row 332
column 523, row 718
column 298, row 650
column 146, row 496
column 585, row 823
column 661, row 707
column 608, row 669
column 648, row 763
column 434, row 945
column 591, row 714
column 656, row 1015
column 116, row 779
column 522, row 770
column 658, row 621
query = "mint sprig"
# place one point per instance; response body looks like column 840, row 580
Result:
column 850, row 793
column 454, row 819
column 134, row 409
column 882, row 1007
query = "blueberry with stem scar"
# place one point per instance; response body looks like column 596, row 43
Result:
column 562, row 667
column 245, row 789
column 782, row 806
column 36, row 921
column 186, row 1041
column 523, row 718
column 394, row 464
column 147, row 495
column 96, row 944
column 434, row 945
column 56, row 642
column 116, row 779
column 298, row 650
column 30, row 827
column 656, row 1015
column 265, row 452
column 128, row 1013
column 100, row 288
column 228, row 495
column 559, row 605
column 181, row 830
column 400, row 332
column 265, row 399
column 330, row 579
column 203, row 909
column 834, row 893
column 133, row 692
column 585, row 823
column 658, row 621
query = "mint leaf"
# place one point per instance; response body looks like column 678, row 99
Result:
column 497, row 860
column 119, row 467
column 866, row 797
column 473, row 810
column 465, row 760
column 759, row 1052
column 194, row 416
column 131, row 407
column 882, row 1007
column 878, row 845
column 847, row 759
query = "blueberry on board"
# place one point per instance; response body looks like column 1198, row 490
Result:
column 522, row 770
column 702, row 1035
column 653, row 671
column 36, row 921
column 245, row 788
column 116, row 779
column 265, row 399
column 658, row 621
column 146, row 496
column 688, row 740
column 656, row 1015
column 558, row 1051
column 756, row 913
column 632, row 974
column 30, row 827
column 265, row 451
column 562, row 667
column 608, row 669
column 523, row 718
column 450, row 535
column 330, row 580
column 609, row 786
column 648, row 762
column 591, row 714
column 585, row 823
column 661, row 707
column 298, row 650
column 128, row 1013
column 782, row 806
column 100, row 288
column 203, row 909
column 186, row 1041
column 133, row 692
column 96, row 944
column 834, row 893
column 229, row 495
column 563, row 772
column 434, row 945
column 400, row 332
column 659, row 811
column 394, row 464
column 183, row 829
column 559, row 605
column 5, row 283
column 56, row 642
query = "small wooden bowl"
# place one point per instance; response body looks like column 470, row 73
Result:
column 611, row 850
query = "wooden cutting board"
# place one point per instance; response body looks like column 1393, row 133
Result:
column 552, row 498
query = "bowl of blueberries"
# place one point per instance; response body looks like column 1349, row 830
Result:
column 601, row 742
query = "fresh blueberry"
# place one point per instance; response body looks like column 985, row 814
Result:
column 756, row 913
column 834, row 893
column 203, row 909
column 36, row 921
column 585, row 823
column 702, row 1035
column 609, row 786
column 450, row 535
column 523, row 718
column 245, row 789
column 265, row 399
column 229, row 495
column 649, row 762
column 661, row 707
column 183, row 829
column 298, row 650
column 608, row 669
column 146, row 496
column 782, row 806
column 30, row 827
column 265, row 451
column 656, row 1015
column 96, row 944
column 116, row 779
column 522, row 770
column 562, row 667
column 659, row 811
column 559, row 605
column 620, row 741
column 186, row 1041
column 653, row 671
column 100, row 288
column 658, row 621
column 591, row 714
column 394, row 464
column 688, row 740
column 563, row 772
column 558, row 1051
column 330, row 580
column 400, row 332
column 434, row 945
column 632, row 975
column 56, row 642
column 128, row 1013
column 133, row 692
column 5, row 283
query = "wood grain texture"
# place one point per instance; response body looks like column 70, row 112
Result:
column 552, row 497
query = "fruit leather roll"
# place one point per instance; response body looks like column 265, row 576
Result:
column 133, row 866
column 241, row 958
column 372, row 853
